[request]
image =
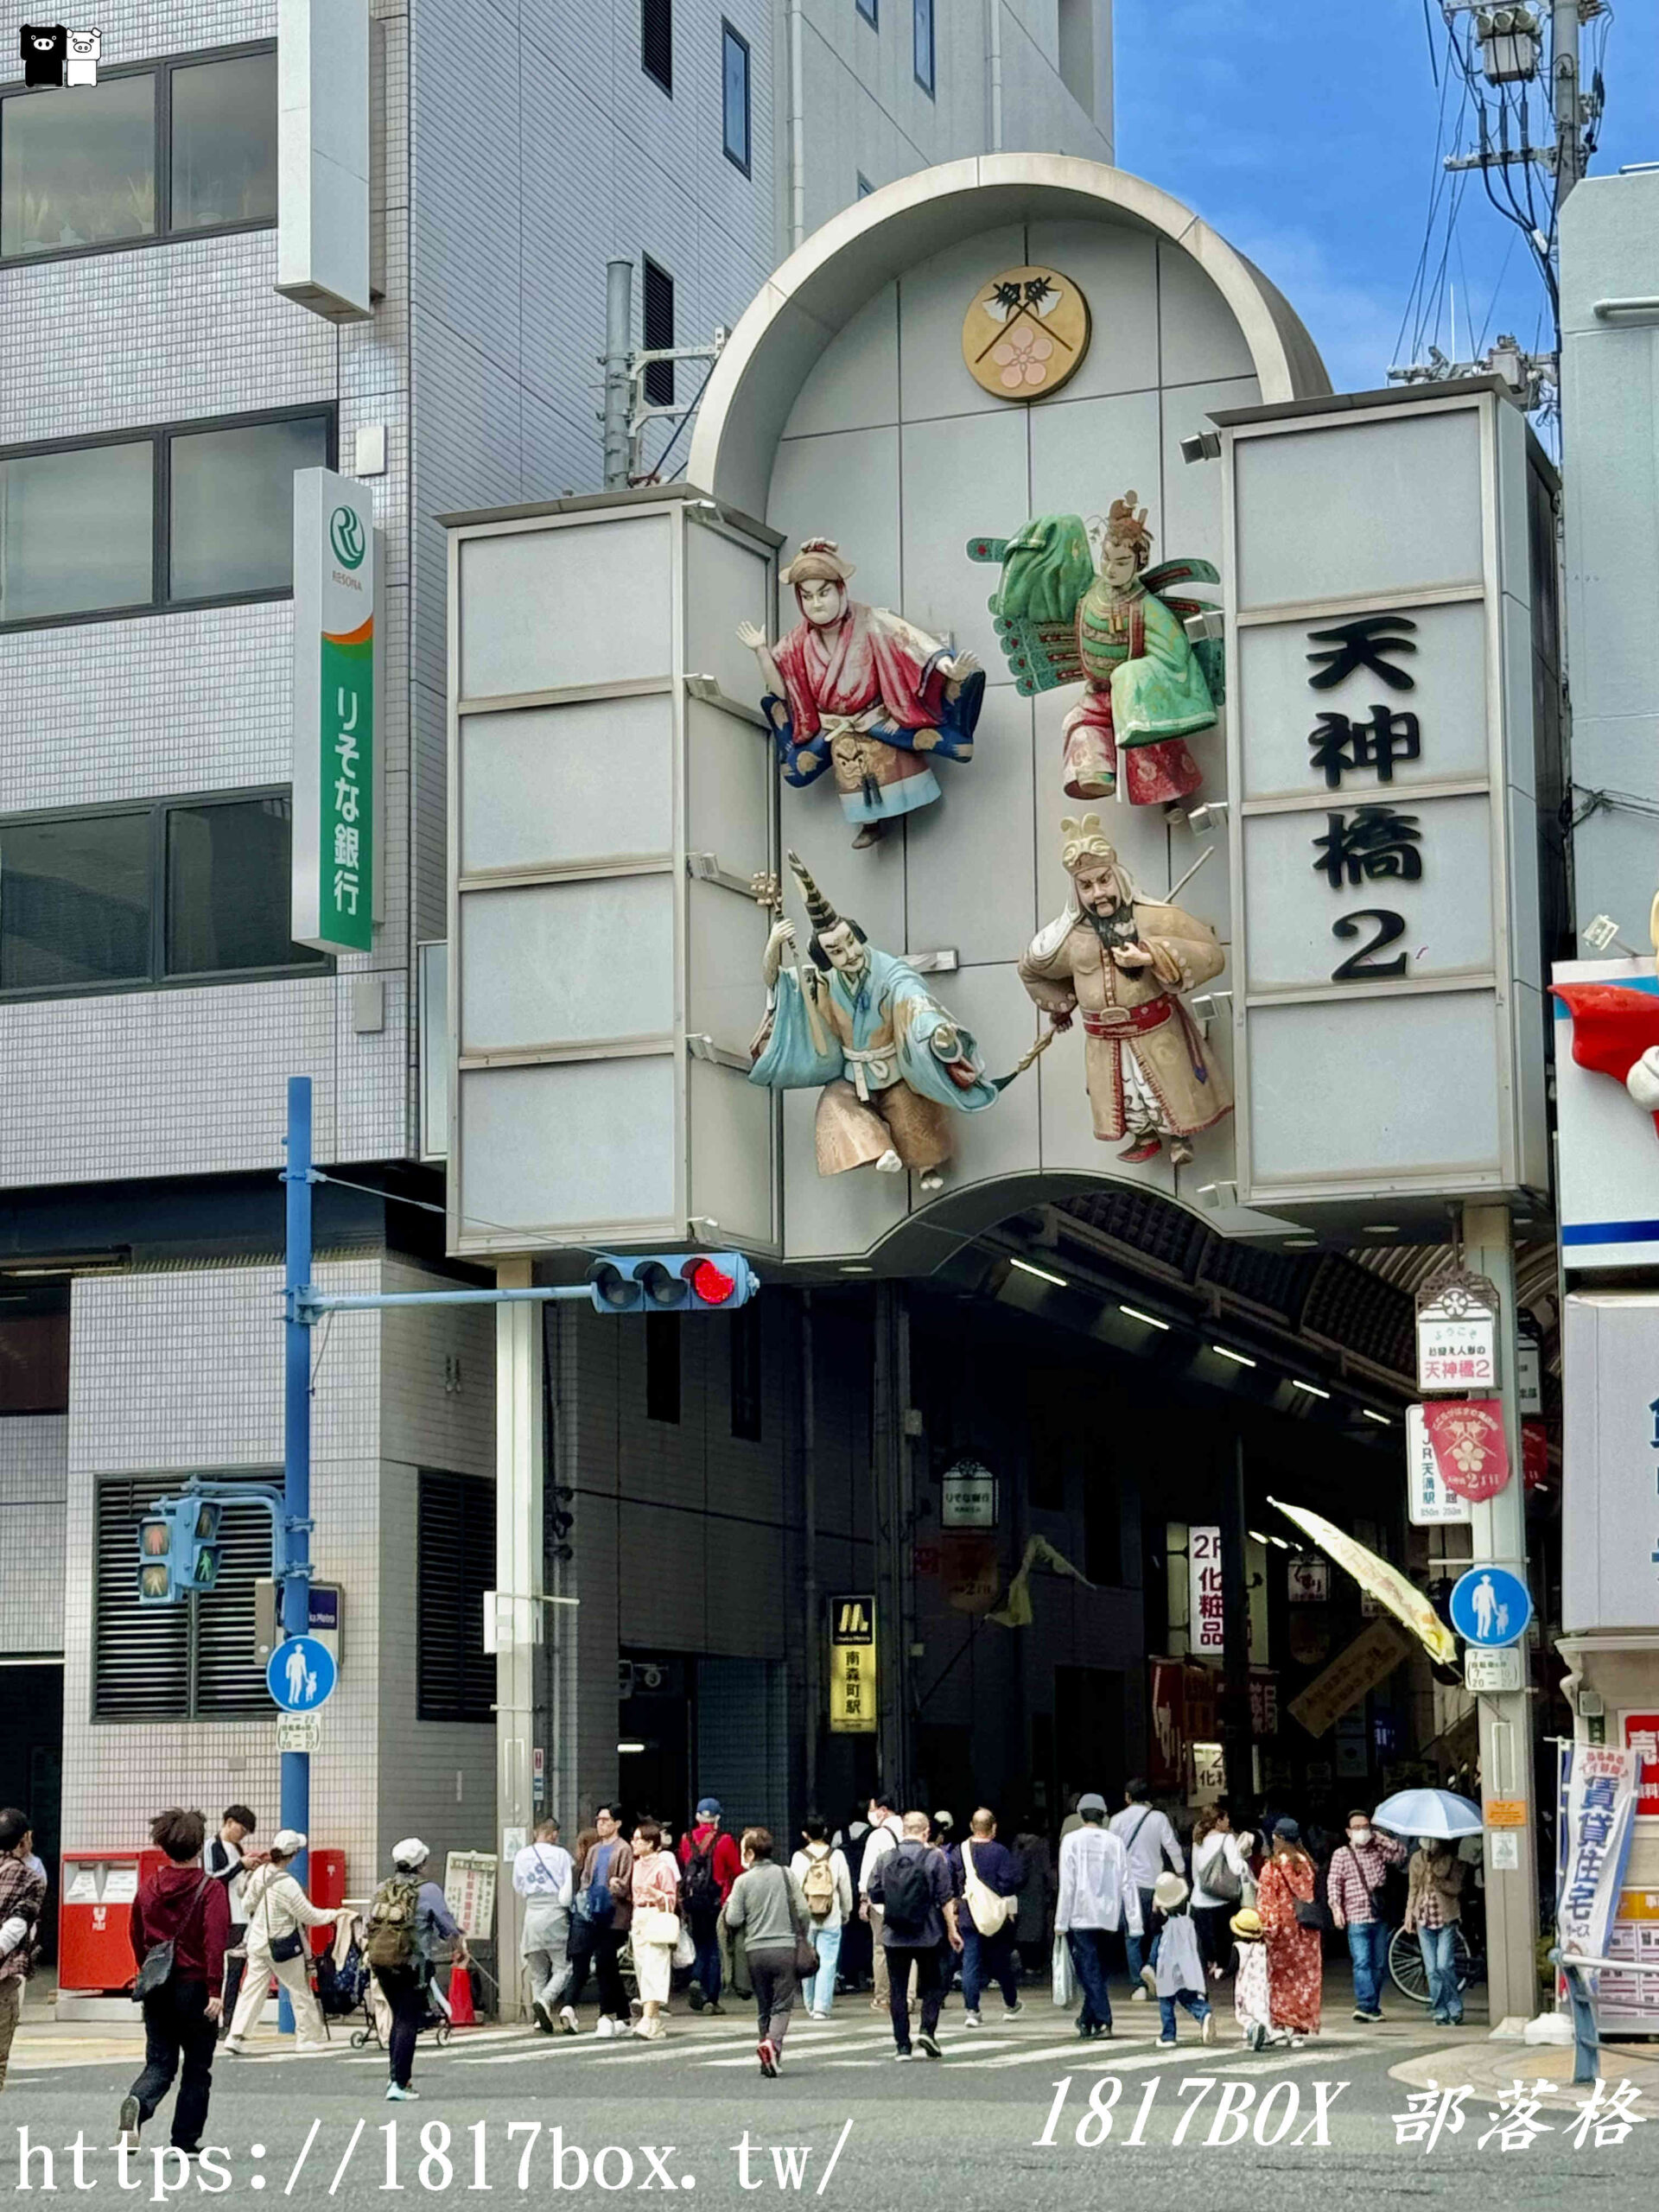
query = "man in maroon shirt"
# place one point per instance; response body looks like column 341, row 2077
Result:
column 710, row 1864
column 182, row 1904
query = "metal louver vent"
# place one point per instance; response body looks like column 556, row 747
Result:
column 455, row 1564
column 193, row 1661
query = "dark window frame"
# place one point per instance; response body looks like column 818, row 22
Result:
column 730, row 36
column 467, row 1621
column 158, row 809
column 864, row 187
column 162, row 68
column 167, row 1482
column 747, row 1392
column 659, row 375
column 160, row 435
column 918, row 9
column 870, row 11
column 664, row 1367
column 662, row 77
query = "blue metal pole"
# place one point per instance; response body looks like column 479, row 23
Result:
column 297, row 1447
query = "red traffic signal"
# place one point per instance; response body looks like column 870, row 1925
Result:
column 670, row 1282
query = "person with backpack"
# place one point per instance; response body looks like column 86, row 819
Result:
column 990, row 1891
column 1148, row 1841
column 279, row 1912
column 23, row 1892
column 768, row 1908
column 604, row 1908
column 179, row 1925
column 1353, row 1890
column 408, row 1920
column 826, row 1883
column 911, row 1884
column 1221, row 1867
column 544, row 1875
column 1291, row 1920
column 709, row 1864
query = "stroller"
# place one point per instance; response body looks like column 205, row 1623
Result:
column 342, row 1975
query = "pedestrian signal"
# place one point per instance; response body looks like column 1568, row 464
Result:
column 672, row 1282
column 178, row 1550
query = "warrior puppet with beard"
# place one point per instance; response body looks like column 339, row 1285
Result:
column 1122, row 962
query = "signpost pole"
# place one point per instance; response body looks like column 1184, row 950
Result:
column 1499, row 1529
column 296, row 1432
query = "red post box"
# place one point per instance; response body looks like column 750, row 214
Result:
column 95, row 1895
column 326, row 1886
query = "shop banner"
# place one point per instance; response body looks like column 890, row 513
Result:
column 1369, row 1660
column 1600, row 1819
column 1466, row 1437
column 1407, row 1604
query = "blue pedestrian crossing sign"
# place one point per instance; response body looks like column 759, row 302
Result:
column 300, row 1673
column 1489, row 1607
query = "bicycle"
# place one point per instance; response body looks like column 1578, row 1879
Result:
column 1409, row 1975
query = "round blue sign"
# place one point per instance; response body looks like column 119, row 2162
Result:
column 1490, row 1607
column 300, row 1673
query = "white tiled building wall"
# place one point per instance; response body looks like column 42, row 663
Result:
column 176, row 1373
column 33, row 1482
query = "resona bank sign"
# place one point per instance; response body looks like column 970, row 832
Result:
column 337, row 769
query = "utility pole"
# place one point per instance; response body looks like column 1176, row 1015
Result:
column 619, row 360
column 520, row 1567
column 1566, row 97
column 295, row 1778
column 1499, row 1531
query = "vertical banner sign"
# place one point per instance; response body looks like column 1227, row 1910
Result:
column 1431, row 1503
column 851, row 1666
column 1600, row 1818
column 336, row 767
column 1206, row 1634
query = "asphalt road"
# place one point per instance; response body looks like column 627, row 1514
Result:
column 986, row 2126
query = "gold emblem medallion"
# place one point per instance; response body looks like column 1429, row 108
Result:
column 1026, row 333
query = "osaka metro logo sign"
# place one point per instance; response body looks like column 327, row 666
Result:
column 346, row 534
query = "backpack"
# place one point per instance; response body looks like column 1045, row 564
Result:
column 819, row 1884
column 699, row 1891
column 906, row 1891
column 390, row 1942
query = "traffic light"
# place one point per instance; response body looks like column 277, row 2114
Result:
column 672, row 1282
column 178, row 1550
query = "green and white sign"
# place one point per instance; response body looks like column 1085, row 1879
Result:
column 336, row 750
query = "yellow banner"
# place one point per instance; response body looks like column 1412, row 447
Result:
column 1386, row 1583
column 853, row 1705
column 1369, row 1660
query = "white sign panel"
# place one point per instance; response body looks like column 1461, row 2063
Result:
column 1528, row 1376
column 1610, row 1440
column 1431, row 1503
column 469, row 1891
column 299, row 1731
column 969, row 1499
column 1206, row 1630
column 1456, row 1351
column 1490, row 1673
column 1608, row 1185
column 1600, row 1819
column 1309, row 1579
column 1380, row 1042
column 338, row 773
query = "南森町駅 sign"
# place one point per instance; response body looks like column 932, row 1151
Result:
column 336, row 771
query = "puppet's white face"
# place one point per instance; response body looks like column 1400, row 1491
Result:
column 842, row 948
column 821, row 599
column 1119, row 564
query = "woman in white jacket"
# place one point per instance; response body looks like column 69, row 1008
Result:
column 278, row 1909
column 1221, row 1883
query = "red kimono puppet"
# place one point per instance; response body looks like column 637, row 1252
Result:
column 860, row 690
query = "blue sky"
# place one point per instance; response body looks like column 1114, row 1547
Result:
column 1304, row 131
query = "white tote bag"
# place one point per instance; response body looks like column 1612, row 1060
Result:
column 1064, row 1981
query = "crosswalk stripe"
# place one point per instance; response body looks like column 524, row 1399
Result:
column 1053, row 2050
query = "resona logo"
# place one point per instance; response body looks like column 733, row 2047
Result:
column 346, row 536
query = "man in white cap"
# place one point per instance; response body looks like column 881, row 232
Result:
column 1096, row 1897
column 407, row 1919
column 279, row 1914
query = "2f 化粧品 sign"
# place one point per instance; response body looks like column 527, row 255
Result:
column 337, row 775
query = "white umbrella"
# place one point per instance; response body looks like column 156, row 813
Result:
column 1439, row 1813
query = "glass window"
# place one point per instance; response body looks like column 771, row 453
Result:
column 35, row 1352
column 924, row 36
column 76, row 529
column 75, row 902
column 735, row 95
column 227, row 888
column 77, row 168
column 658, row 326
column 657, row 41
column 455, row 1677
column 867, row 8
column 232, row 498
column 224, row 142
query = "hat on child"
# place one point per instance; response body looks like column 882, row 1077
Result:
column 1168, row 1891
column 1247, row 1925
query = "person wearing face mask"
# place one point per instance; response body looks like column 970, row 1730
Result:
column 1359, row 1867
column 1433, row 1907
